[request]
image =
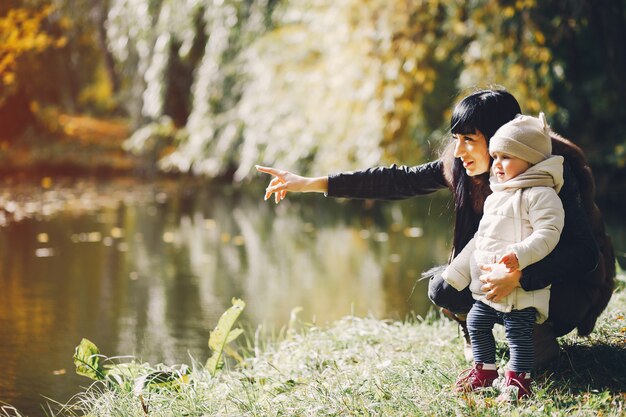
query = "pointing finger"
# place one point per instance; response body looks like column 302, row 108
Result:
column 268, row 170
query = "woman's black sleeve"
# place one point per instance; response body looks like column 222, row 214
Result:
column 576, row 254
column 388, row 183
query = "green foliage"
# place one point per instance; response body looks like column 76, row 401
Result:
column 125, row 376
column 317, row 86
column 324, row 85
column 141, row 379
column 152, row 139
column 320, row 85
column 87, row 360
column 224, row 334
column 170, row 379
column 589, row 92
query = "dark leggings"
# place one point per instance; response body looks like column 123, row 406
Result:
column 569, row 303
column 518, row 327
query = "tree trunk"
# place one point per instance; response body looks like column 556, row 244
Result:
column 101, row 8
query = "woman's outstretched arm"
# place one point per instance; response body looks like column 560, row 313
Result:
column 394, row 182
column 285, row 181
column 382, row 183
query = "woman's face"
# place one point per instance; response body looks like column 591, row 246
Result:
column 474, row 153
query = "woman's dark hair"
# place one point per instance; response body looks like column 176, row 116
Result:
column 483, row 111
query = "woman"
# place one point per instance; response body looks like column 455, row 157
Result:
column 581, row 268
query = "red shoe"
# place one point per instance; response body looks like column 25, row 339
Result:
column 517, row 386
column 475, row 378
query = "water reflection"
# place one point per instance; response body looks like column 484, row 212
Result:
column 149, row 272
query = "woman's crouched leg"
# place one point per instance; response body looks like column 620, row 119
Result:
column 569, row 305
column 446, row 296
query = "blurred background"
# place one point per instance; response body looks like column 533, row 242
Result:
column 130, row 212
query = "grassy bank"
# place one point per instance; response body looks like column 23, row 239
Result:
column 368, row 367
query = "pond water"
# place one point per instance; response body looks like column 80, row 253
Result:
column 147, row 270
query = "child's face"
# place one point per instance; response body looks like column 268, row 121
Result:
column 506, row 166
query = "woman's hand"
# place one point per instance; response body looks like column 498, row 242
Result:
column 497, row 288
column 284, row 181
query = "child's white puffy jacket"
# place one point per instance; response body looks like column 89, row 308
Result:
column 523, row 215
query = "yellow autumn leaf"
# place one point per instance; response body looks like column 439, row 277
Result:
column 8, row 78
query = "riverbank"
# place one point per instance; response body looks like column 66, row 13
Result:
column 68, row 145
column 365, row 366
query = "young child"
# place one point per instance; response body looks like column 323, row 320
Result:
column 521, row 224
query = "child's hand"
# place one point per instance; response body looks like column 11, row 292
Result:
column 510, row 261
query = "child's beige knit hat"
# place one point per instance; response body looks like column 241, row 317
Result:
column 524, row 137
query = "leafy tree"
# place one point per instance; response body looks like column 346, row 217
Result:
column 52, row 55
column 316, row 85
column 184, row 60
column 341, row 84
column 23, row 38
column 22, row 33
column 587, row 42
